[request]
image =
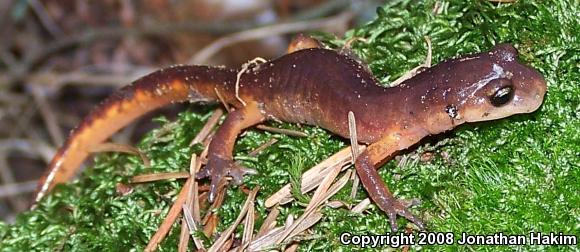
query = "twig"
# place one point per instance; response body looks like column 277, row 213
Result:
column 47, row 114
column 124, row 148
column 207, row 127
column 335, row 204
column 350, row 41
column 159, row 176
column 7, row 177
column 174, row 212
column 354, row 151
column 266, row 240
column 92, row 35
column 361, row 206
column 39, row 148
column 210, row 225
column 195, row 207
column 20, row 71
column 288, row 132
column 6, row 173
column 269, row 223
column 262, row 147
column 8, row 58
column 23, row 122
column 310, row 216
column 289, row 220
column 306, row 223
column 320, row 192
column 9, row 190
column 54, row 79
column 317, row 198
column 312, row 177
column 191, row 204
column 294, row 246
column 184, row 234
column 228, row 244
column 192, row 226
column 248, row 228
column 44, row 18
column 172, row 215
column 252, row 63
column 219, row 199
column 289, row 27
column 337, row 186
column 226, row 234
column 316, row 216
column 222, row 100
column 428, row 59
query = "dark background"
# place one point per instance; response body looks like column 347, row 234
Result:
column 58, row 58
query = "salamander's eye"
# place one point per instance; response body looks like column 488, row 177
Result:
column 502, row 96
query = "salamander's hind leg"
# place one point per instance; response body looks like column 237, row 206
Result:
column 220, row 161
column 376, row 188
column 301, row 42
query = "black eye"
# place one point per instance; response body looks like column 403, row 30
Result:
column 502, row 96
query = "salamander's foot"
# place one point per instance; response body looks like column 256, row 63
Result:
column 400, row 207
column 217, row 167
column 410, row 203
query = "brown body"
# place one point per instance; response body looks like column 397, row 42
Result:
column 319, row 87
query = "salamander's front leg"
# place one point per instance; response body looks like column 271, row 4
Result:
column 220, row 161
column 376, row 188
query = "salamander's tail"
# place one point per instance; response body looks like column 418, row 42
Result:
column 175, row 84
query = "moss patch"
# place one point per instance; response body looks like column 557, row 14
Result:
column 515, row 175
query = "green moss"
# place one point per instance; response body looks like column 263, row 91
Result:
column 515, row 175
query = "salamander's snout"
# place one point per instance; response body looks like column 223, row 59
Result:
column 508, row 88
column 530, row 88
column 536, row 93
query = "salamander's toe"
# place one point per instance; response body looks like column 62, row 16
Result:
column 418, row 222
column 204, row 172
column 393, row 220
column 214, row 186
column 217, row 168
column 400, row 207
column 237, row 173
column 410, row 203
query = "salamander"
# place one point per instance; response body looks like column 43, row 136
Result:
column 316, row 86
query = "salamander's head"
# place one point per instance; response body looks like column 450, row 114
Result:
column 486, row 86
